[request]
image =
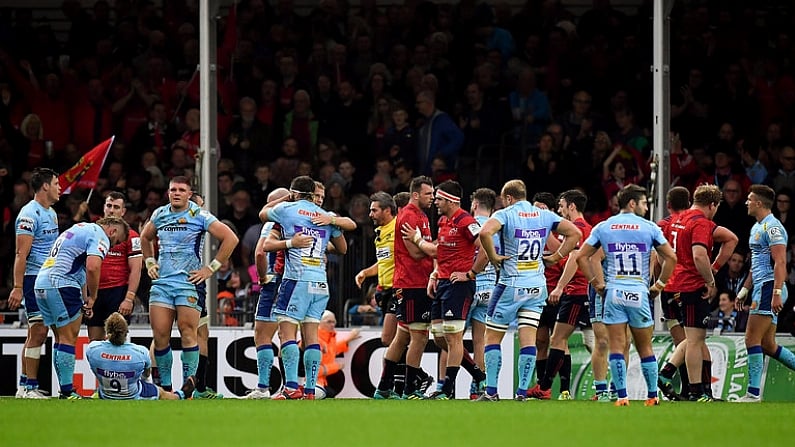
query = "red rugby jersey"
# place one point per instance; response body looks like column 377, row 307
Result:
column 115, row 269
column 456, row 249
column 689, row 228
column 552, row 272
column 664, row 225
column 579, row 283
column 411, row 273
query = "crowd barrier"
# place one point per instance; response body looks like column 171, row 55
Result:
column 233, row 365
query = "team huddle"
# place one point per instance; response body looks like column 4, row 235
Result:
column 522, row 266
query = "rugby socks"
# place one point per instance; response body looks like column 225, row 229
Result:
column 668, row 371
column 785, row 356
column 525, row 366
column 450, row 374
column 388, row 375
column 493, row 357
column 23, row 379
column 706, row 376
column 201, row 374
column 684, row 379
column 618, row 372
column 163, row 360
column 756, row 361
column 54, row 356
column 648, row 366
column 32, row 384
column 554, row 364
column 541, row 370
column 600, row 385
column 290, row 356
column 565, row 374
column 472, row 368
column 411, row 380
column 66, row 367
column 311, row 366
column 400, row 374
column 264, row 364
column 190, row 361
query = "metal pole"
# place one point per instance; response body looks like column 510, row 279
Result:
column 208, row 153
column 661, row 167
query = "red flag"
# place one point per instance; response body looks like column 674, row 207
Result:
column 85, row 173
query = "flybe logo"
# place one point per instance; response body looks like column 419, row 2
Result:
column 626, row 247
column 522, row 233
column 314, row 232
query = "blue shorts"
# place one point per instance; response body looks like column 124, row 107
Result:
column 507, row 301
column 29, row 299
column 302, row 300
column 59, row 307
column 596, row 305
column 267, row 300
column 148, row 391
column 762, row 300
column 627, row 306
column 480, row 306
column 182, row 294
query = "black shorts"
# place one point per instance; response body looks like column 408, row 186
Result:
column 671, row 306
column 455, row 299
column 108, row 301
column 386, row 301
column 574, row 311
column 436, row 310
column 548, row 316
column 414, row 306
column 695, row 309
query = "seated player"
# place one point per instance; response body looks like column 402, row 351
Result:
column 120, row 367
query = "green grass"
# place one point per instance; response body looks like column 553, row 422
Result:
column 366, row 422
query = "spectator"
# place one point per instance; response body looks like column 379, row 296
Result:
column 249, row 139
column 366, row 313
column 726, row 319
column 226, row 308
column 262, row 185
column 785, row 177
column 400, row 139
column 301, row 125
column 438, row 136
column 530, row 110
column 733, row 214
column 725, row 168
column 783, row 209
column 155, row 134
column 329, row 376
column 749, row 157
column 285, row 167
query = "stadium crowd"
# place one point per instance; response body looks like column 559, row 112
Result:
column 364, row 98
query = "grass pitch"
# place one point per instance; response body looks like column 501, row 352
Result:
column 384, row 423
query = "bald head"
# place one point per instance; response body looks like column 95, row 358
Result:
column 278, row 193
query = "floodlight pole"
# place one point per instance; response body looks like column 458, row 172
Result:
column 661, row 167
column 208, row 151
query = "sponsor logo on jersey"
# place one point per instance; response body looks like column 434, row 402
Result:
column 119, row 357
column 631, row 227
column 626, row 246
